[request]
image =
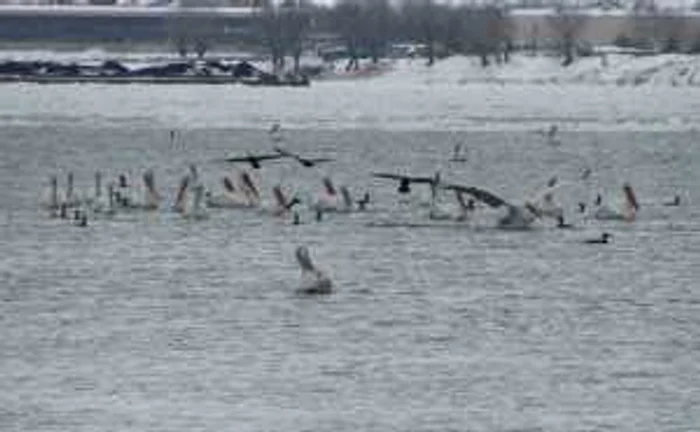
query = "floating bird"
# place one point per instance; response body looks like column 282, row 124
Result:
column 313, row 280
column 675, row 203
column 362, row 204
column 457, row 154
column 230, row 198
column 282, row 204
column 562, row 224
column 518, row 216
column 275, row 132
column 604, row 239
column 551, row 135
column 254, row 160
column 306, row 162
column 628, row 213
column 586, row 173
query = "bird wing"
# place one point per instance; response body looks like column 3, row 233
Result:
column 319, row 160
column 250, row 158
column 480, row 194
column 404, row 178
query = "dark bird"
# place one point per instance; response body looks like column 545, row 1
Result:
column 306, row 162
column 254, row 160
column 405, row 181
column 675, row 203
column 457, row 154
column 563, row 224
column 604, row 239
column 362, row 204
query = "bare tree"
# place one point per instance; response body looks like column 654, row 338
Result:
column 348, row 18
column 421, row 20
column 378, row 18
column 567, row 23
column 178, row 33
column 296, row 22
column 670, row 30
column 271, row 26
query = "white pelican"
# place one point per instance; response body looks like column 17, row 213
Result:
column 519, row 216
column 52, row 201
column 180, row 204
column 461, row 214
column 628, row 213
column 196, row 209
column 249, row 188
column 457, row 154
column 282, row 204
column 229, row 198
column 329, row 199
column 124, row 198
column 313, row 280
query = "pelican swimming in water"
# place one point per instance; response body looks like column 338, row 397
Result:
column 628, row 213
column 330, row 200
column 124, row 197
column 551, row 135
column 195, row 209
column 462, row 213
column 518, row 216
column 457, row 155
column 52, row 202
column 180, row 204
column 282, row 204
column 230, row 198
column 275, row 132
column 313, row 280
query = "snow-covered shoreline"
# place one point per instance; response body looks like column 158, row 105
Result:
column 529, row 94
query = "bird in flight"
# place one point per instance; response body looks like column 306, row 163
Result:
column 254, row 160
column 306, row 162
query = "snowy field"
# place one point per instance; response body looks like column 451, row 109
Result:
column 630, row 93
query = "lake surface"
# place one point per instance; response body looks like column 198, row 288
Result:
column 153, row 323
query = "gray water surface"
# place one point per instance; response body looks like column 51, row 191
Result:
column 153, row 323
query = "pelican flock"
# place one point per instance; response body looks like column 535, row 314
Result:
column 454, row 202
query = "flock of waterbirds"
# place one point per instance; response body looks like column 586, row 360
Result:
column 193, row 200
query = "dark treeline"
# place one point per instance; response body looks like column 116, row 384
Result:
column 368, row 28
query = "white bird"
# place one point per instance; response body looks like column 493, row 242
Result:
column 628, row 213
column 196, row 210
column 230, row 198
column 519, row 216
column 313, row 280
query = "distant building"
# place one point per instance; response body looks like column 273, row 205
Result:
column 114, row 23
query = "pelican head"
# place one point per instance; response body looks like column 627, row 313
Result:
column 328, row 184
column 314, row 281
column 303, row 258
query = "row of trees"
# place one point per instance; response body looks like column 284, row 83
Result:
column 367, row 28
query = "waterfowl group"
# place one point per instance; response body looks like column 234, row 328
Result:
column 449, row 202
